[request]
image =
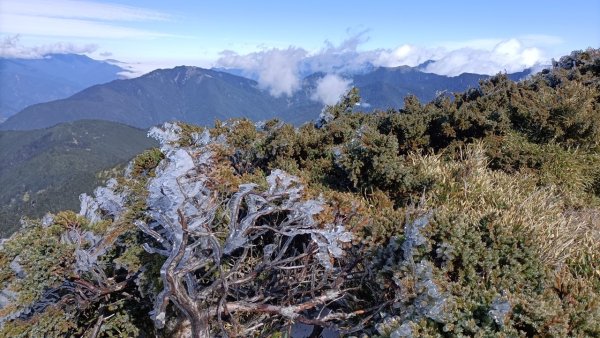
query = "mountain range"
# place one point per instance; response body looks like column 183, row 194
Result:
column 24, row 82
column 200, row 96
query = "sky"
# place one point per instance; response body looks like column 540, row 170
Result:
column 276, row 42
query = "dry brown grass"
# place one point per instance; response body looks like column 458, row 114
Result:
column 560, row 234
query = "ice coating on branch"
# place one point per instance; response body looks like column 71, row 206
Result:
column 405, row 330
column 88, row 248
column 413, row 236
column 176, row 179
column 287, row 191
column 89, row 208
column 329, row 241
column 8, row 296
column 178, row 192
column 202, row 139
column 17, row 268
column 182, row 204
column 282, row 183
column 324, row 118
column 237, row 229
column 166, row 135
column 47, row 220
column 393, row 327
column 166, row 193
column 431, row 302
column 500, row 309
column 427, row 299
column 107, row 202
column 215, row 240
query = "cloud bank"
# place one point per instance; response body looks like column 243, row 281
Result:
column 10, row 47
column 330, row 89
column 282, row 70
column 507, row 56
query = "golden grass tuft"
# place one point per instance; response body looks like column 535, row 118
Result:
column 560, row 234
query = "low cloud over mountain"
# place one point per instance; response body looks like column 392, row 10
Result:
column 281, row 70
column 330, row 88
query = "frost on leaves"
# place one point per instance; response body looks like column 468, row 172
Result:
column 419, row 295
column 107, row 202
column 500, row 309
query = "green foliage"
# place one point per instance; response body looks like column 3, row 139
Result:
column 51, row 323
column 145, row 163
column 372, row 161
column 346, row 104
column 564, row 113
column 43, row 258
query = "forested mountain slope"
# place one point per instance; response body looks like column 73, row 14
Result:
column 46, row 169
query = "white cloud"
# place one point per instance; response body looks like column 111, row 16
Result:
column 406, row 55
column 344, row 58
column 508, row 55
column 483, row 56
column 330, row 89
column 275, row 69
column 58, row 27
column 281, row 70
column 10, row 47
column 80, row 19
column 81, row 10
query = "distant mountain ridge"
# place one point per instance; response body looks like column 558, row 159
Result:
column 24, row 82
column 165, row 94
column 200, row 96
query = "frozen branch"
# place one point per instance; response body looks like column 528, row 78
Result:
column 261, row 261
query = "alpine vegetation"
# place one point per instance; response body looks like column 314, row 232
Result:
column 476, row 214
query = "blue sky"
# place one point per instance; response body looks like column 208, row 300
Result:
column 150, row 34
